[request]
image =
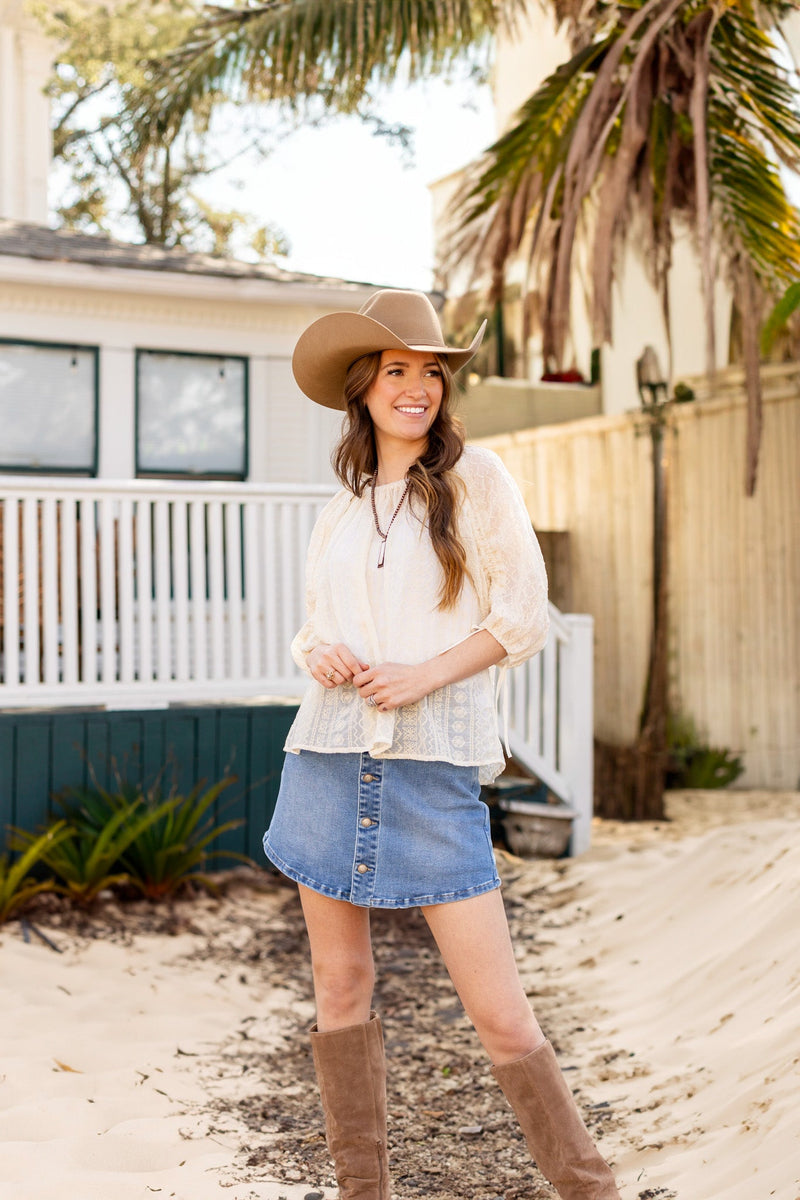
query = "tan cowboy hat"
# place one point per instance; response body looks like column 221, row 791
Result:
column 390, row 320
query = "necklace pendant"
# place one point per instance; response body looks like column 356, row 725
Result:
column 383, row 536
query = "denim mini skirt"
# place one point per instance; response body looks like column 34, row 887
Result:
column 382, row 832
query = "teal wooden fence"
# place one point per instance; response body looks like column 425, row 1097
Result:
column 43, row 752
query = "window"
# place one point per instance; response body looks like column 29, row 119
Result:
column 191, row 415
column 48, row 408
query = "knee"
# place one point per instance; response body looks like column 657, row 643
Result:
column 343, row 991
column 508, row 1034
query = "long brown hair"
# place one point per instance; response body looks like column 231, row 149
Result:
column 432, row 482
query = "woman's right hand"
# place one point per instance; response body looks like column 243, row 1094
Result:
column 333, row 664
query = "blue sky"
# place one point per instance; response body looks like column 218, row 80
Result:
column 344, row 197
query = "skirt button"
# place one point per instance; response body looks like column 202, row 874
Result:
column 366, row 822
column 367, row 778
column 362, row 868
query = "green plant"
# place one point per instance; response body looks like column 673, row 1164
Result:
column 87, row 859
column 694, row 764
column 17, row 886
column 174, row 849
column 779, row 317
column 171, row 846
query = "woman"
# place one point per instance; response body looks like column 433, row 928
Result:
column 423, row 575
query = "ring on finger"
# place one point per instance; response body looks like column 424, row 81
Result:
column 330, row 674
column 372, row 702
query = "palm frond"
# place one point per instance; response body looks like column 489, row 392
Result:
column 331, row 50
column 538, row 142
column 748, row 74
column 754, row 210
column 511, row 194
column 785, row 308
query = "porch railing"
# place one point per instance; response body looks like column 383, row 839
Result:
column 138, row 594
column 551, row 717
column 133, row 593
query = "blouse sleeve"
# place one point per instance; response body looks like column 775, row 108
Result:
column 307, row 637
column 510, row 559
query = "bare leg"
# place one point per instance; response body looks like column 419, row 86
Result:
column 473, row 939
column 347, row 1045
column 341, row 960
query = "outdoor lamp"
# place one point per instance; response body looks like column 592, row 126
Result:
column 652, row 385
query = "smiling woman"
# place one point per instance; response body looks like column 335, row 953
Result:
column 380, row 803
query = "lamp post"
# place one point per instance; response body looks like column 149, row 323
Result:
column 654, row 396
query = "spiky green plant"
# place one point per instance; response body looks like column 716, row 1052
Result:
column 780, row 316
column 172, row 838
column 17, row 885
column 87, row 860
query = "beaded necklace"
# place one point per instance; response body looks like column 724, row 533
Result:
column 383, row 536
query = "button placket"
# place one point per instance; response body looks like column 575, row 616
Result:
column 365, row 860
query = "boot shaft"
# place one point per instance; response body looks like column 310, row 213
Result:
column 557, row 1138
column 351, row 1071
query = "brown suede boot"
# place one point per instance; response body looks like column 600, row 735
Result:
column 351, row 1072
column 557, row 1138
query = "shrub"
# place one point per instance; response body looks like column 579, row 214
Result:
column 88, row 858
column 171, row 839
column 694, row 764
column 17, row 886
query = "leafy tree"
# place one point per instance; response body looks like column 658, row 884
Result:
column 117, row 178
column 120, row 173
column 304, row 52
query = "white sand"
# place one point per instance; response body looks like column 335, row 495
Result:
column 679, row 951
column 675, row 948
column 100, row 1090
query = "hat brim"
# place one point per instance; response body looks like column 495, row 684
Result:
column 326, row 350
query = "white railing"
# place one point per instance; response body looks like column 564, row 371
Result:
column 550, row 717
column 142, row 594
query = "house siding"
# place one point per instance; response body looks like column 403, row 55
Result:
column 43, row 753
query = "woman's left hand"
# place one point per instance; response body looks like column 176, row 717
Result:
column 391, row 685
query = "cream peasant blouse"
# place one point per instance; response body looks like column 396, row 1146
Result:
column 391, row 615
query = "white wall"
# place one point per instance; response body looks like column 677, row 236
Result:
column 791, row 31
column 295, row 430
column 25, row 141
column 523, row 59
column 638, row 322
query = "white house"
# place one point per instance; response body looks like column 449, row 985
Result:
column 121, row 362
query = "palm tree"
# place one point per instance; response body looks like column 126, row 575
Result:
column 672, row 111
column 667, row 112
